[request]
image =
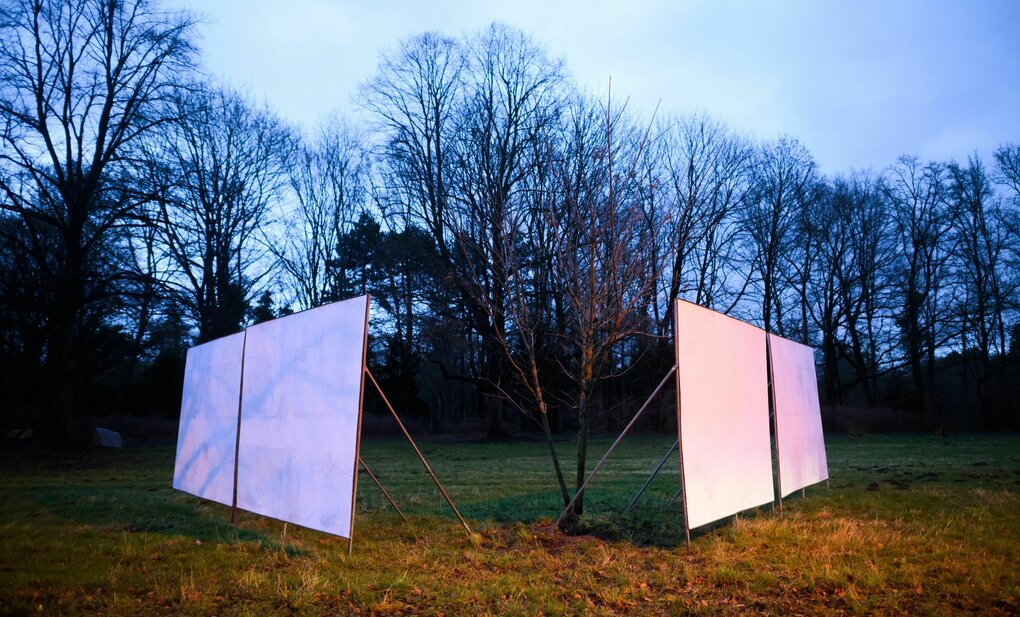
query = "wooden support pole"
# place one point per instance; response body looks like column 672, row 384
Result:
column 598, row 465
column 775, row 417
column 417, row 451
column 381, row 489
column 674, row 498
column 679, row 422
column 651, row 477
column 361, row 413
column 237, row 436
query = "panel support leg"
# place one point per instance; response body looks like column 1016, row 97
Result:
column 651, row 477
column 674, row 498
column 381, row 489
column 580, row 491
column 680, row 424
column 417, row 451
column 775, row 420
column 237, row 435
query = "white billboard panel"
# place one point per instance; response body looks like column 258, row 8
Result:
column 723, row 414
column 298, row 450
column 799, row 441
column 207, row 436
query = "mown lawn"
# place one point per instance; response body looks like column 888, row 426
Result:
column 912, row 525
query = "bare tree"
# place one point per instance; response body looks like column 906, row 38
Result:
column 25, row 254
column 413, row 98
column 829, row 236
column 983, row 236
column 80, row 81
column 784, row 177
column 329, row 183
column 923, row 236
column 216, row 176
column 144, row 281
column 512, row 94
column 602, row 258
column 862, row 278
column 1007, row 161
column 849, row 295
column 707, row 176
column 523, row 339
column 459, row 122
column 531, row 308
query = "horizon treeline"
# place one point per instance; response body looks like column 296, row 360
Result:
column 523, row 240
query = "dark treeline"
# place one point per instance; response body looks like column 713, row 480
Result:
column 522, row 239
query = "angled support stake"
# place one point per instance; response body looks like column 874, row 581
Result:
column 672, row 500
column 652, row 477
column 381, row 489
column 237, row 436
column 580, row 491
column 680, row 426
column 775, row 421
column 417, row 451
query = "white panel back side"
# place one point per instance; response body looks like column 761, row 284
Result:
column 207, row 436
column 799, row 440
column 724, row 414
column 299, row 416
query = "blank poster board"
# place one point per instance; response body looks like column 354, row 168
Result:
column 799, row 440
column 300, row 415
column 723, row 414
column 204, row 465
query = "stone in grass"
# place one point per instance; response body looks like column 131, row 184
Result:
column 105, row 438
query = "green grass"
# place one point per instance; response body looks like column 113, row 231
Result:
column 912, row 525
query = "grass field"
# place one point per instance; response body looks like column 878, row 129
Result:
column 912, row 525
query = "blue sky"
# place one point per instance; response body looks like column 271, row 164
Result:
column 858, row 82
